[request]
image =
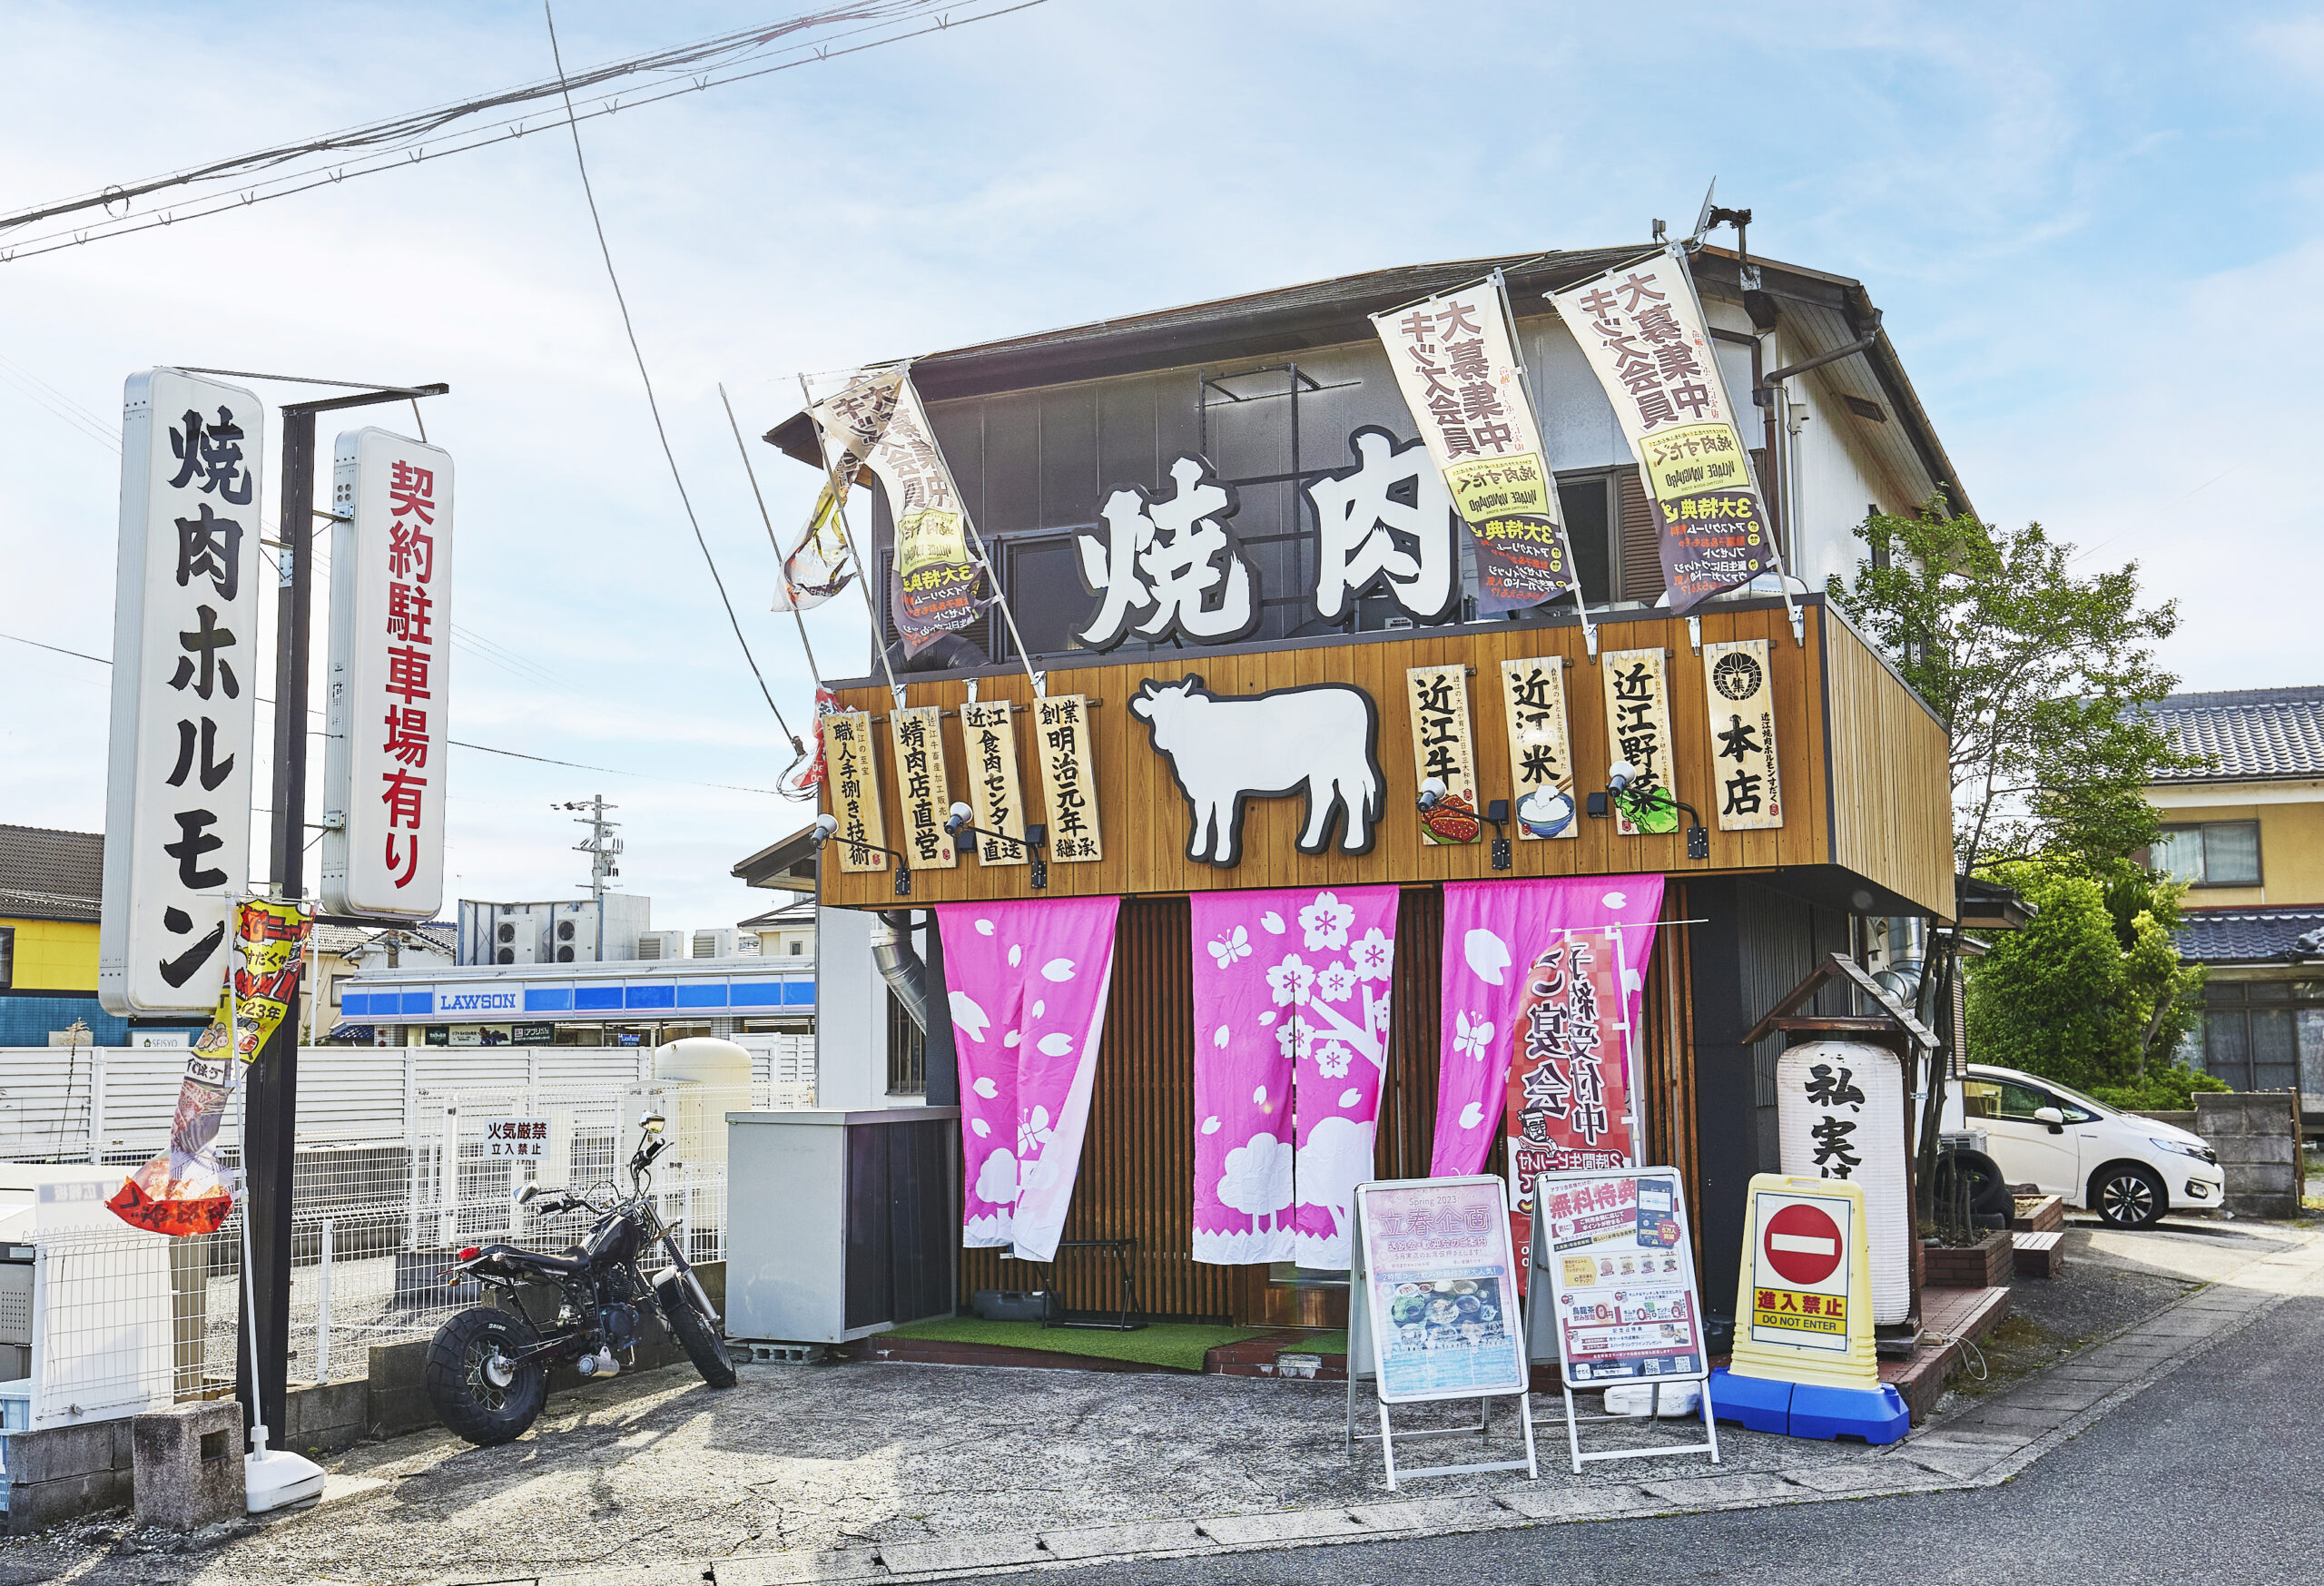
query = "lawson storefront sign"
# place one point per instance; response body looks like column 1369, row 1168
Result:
column 444, row 999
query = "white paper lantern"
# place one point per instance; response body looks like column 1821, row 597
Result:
column 1840, row 1114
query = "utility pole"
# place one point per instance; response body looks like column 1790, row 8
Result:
column 602, row 846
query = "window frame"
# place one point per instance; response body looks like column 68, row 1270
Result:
column 2202, row 830
column 7, row 958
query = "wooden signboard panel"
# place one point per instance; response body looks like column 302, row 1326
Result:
column 1541, row 798
column 916, row 737
column 1067, row 756
column 1443, row 750
column 988, row 732
column 852, row 780
column 1746, row 786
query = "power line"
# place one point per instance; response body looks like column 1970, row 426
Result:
column 798, row 749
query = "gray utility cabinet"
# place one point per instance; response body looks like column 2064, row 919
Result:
column 840, row 1224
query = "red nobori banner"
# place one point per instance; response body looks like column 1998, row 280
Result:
column 1641, row 329
column 1569, row 1105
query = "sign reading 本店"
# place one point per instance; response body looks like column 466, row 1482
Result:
column 1641, row 328
column 917, row 736
column 1437, row 1290
column 1622, row 1277
column 384, row 763
column 1742, row 701
column 516, row 1140
column 1540, row 747
column 1441, row 750
column 1638, row 729
column 185, row 680
column 988, row 739
column 1068, row 778
column 854, row 790
column 1456, row 363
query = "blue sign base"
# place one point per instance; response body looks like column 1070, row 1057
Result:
column 1805, row 1409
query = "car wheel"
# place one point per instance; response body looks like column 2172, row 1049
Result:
column 2127, row 1195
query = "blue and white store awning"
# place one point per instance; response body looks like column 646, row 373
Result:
column 579, row 993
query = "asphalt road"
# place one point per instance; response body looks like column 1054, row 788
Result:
column 2214, row 1474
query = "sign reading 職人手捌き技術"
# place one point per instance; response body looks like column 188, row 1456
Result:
column 853, row 780
column 1438, row 1287
column 1621, row 1291
column 1746, row 792
column 185, row 679
column 385, row 762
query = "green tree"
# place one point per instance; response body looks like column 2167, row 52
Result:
column 2039, row 675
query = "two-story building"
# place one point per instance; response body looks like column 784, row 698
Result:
column 50, row 885
column 2246, row 833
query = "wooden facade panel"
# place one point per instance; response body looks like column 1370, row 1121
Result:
column 1890, row 785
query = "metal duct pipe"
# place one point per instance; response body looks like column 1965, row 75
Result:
column 900, row 965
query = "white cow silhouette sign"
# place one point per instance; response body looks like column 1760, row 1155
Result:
column 1321, row 740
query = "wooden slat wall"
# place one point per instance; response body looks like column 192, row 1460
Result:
column 1891, row 816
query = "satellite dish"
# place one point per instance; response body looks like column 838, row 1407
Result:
column 1702, row 216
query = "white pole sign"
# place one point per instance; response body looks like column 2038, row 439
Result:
column 390, row 654
column 185, row 682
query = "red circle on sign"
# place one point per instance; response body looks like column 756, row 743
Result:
column 1802, row 1244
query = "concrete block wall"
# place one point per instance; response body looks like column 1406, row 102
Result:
column 65, row 1472
column 2257, row 1137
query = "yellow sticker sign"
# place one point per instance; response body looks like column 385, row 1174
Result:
column 1799, row 1312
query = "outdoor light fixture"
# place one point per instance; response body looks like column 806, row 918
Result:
column 827, row 828
column 1497, row 813
column 1432, row 793
column 1032, row 843
column 1623, row 793
column 957, row 820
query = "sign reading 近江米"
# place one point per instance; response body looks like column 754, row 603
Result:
column 917, row 738
column 1745, row 791
column 1638, row 729
column 1070, row 778
column 1441, row 752
column 988, row 739
column 384, row 763
column 1456, row 363
column 185, row 682
column 855, row 783
column 1641, row 328
column 1540, row 752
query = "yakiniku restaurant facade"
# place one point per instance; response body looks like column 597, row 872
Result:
column 1255, row 461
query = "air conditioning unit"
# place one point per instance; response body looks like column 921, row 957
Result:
column 516, row 933
column 573, row 933
column 714, row 943
column 654, row 946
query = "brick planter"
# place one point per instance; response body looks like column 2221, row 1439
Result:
column 1987, row 1264
column 2038, row 1214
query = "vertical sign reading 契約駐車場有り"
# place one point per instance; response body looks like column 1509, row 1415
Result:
column 851, row 776
column 1069, row 777
column 1638, row 729
column 1641, row 328
column 988, row 739
column 1739, row 688
column 1441, row 752
column 385, row 762
column 1455, row 361
column 1622, row 1277
column 1541, row 746
column 185, row 679
column 917, row 738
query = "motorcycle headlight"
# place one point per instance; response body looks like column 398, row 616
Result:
column 2181, row 1148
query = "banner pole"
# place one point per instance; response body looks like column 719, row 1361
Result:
column 1549, row 484
column 751, row 474
column 862, row 569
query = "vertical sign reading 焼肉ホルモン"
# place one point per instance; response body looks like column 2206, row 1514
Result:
column 384, row 763
column 185, row 682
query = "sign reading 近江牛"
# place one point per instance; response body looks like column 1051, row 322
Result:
column 384, row 763
column 1642, row 331
column 1456, row 363
column 1441, row 751
column 185, row 680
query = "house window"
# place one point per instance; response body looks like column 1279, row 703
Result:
column 2256, row 1033
column 7, row 958
column 907, row 1052
column 798, row 949
column 2216, row 853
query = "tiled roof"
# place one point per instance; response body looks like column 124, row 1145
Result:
column 51, row 875
column 2249, row 935
column 2246, row 734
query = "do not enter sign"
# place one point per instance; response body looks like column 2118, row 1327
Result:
column 1803, row 1244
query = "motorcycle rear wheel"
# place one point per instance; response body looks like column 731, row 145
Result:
column 697, row 1335
column 478, row 1391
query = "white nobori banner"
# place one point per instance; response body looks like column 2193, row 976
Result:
column 185, row 683
column 390, row 655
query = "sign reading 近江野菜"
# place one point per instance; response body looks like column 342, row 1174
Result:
column 1638, row 729
column 918, row 737
column 185, row 679
column 1642, row 332
column 854, row 783
column 1069, row 777
column 1746, row 792
column 1441, row 752
column 988, row 739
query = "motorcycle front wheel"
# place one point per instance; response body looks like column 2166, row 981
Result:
column 697, row 1335
column 477, row 1385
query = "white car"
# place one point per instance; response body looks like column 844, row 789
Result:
column 2128, row 1169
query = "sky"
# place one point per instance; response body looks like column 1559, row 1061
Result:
column 2093, row 229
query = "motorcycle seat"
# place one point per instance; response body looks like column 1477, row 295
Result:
column 574, row 1260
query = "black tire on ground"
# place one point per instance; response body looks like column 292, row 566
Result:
column 475, row 1390
column 2128, row 1196
column 1988, row 1191
column 696, row 1334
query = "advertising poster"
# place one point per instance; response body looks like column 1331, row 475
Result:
column 1439, row 1284
column 1621, row 1276
column 1569, row 1105
column 931, row 589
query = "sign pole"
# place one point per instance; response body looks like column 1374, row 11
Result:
column 271, row 1103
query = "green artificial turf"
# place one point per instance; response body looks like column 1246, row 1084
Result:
column 1177, row 1344
column 1320, row 1343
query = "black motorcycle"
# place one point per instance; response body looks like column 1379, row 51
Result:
column 487, row 1368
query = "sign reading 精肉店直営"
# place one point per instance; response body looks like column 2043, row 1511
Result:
column 989, row 740
column 1441, row 752
column 1638, row 729
column 185, row 680
column 1622, row 1290
column 384, row 763
column 1745, row 791
column 853, row 781
column 1540, row 748
column 1070, row 778
column 917, row 733
column 1439, row 1291
column 1642, row 331
column 516, row 1140
column 1455, row 361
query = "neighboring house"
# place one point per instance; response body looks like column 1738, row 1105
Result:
column 49, row 884
column 2246, row 833
column 787, row 931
